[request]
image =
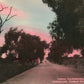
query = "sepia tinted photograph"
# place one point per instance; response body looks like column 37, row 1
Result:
column 41, row 41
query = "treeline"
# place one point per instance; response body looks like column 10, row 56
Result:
column 67, row 28
column 22, row 47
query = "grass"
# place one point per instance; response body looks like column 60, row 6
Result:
column 76, row 64
column 8, row 70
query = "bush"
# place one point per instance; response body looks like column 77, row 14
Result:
column 9, row 70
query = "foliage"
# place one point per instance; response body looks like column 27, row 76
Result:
column 76, row 56
column 18, row 44
column 57, row 50
column 82, row 52
column 66, row 26
column 9, row 70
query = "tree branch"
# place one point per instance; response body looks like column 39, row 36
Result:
column 8, row 16
column 6, row 19
column 2, row 8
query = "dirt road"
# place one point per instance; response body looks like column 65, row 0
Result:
column 45, row 73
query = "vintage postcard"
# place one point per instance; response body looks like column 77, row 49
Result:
column 41, row 41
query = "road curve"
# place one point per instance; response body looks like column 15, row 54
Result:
column 45, row 73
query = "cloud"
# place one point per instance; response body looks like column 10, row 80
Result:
column 14, row 11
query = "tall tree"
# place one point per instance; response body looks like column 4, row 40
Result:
column 66, row 27
column 68, row 15
column 24, row 45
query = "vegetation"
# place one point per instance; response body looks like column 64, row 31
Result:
column 57, row 49
column 23, row 46
column 9, row 70
column 65, row 28
column 22, row 51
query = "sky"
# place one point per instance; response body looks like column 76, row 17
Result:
column 75, row 52
column 31, row 15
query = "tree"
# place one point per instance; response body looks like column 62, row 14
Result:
column 32, row 47
column 82, row 52
column 76, row 56
column 57, row 50
column 11, row 39
column 23, row 45
column 65, row 26
column 8, row 17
